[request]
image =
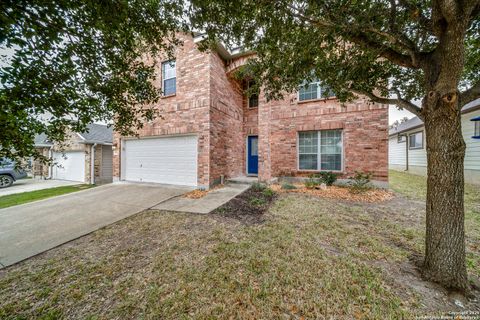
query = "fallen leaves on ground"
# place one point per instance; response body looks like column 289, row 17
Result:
column 197, row 194
column 337, row 192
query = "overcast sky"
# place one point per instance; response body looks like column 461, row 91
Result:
column 395, row 114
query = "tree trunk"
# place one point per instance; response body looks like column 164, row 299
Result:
column 445, row 235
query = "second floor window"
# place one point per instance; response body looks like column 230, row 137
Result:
column 169, row 78
column 253, row 98
column 314, row 90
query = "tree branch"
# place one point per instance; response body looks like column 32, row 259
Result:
column 361, row 38
column 399, row 102
column 470, row 94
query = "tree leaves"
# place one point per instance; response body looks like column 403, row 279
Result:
column 73, row 62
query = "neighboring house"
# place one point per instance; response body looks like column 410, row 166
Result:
column 407, row 148
column 209, row 129
column 72, row 161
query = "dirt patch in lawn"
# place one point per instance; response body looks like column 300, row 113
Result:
column 197, row 194
column 250, row 206
column 337, row 192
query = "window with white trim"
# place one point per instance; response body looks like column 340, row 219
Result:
column 314, row 90
column 415, row 140
column 169, row 78
column 320, row 150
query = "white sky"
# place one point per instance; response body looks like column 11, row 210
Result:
column 395, row 114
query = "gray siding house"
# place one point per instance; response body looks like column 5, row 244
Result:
column 407, row 147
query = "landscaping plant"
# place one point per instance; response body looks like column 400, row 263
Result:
column 328, row 177
column 360, row 182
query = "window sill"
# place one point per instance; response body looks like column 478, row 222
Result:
column 417, row 148
column 318, row 171
column 317, row 100
column 169, row 96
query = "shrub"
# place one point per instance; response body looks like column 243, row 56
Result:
column 328, row 177
column 257, row 186
column 312, row 182
column 288, row 186
column 268, row 192
column 258, row 202
column 361, row 181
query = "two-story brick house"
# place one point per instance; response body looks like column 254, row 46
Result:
column 210, row 129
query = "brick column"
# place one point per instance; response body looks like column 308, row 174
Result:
column 264, row 161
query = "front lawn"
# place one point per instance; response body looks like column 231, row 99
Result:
column 25, row 197
column 307, row 258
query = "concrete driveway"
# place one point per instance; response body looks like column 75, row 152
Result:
column 32, row 228
column 26, row 185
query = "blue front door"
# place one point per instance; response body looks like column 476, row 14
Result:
column 252, row 155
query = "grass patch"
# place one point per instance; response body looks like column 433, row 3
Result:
column 311, row 258
column 25, row 197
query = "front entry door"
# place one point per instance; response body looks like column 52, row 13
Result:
column 252, row 155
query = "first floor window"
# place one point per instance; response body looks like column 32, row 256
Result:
column 169, row 78
column 477, row 129
column 320, row 150
column 415, row 140
column 314, row 90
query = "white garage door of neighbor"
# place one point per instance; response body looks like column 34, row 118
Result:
column 169, row 160
column 69, row 167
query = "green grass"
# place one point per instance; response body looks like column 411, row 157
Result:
column 415, row 187
column 312, row 258
column 25, row 197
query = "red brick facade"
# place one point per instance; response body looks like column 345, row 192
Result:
column 211, row 104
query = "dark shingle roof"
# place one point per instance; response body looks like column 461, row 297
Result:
column 98, row 133
column 416, row 122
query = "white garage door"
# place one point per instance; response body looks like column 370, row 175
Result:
column 169, row 160
column 69, row 167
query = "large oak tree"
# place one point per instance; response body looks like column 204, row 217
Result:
column 394, row 52
column 66, row 63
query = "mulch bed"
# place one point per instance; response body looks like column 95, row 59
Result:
column 342, row 193
column 248, row 207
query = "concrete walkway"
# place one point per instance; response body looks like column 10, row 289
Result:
column 206, row 204
column 35, row 227
column 27, row 185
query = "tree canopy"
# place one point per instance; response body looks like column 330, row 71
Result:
column 67, row 63
column 377, row 48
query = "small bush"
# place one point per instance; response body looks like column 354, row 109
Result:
column 328, row 177
column 257, row 186
column 288, row 186
column 361, row 182
column 312, row 182
column 268, row 192
column 258, row 202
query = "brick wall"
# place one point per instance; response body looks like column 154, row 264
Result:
column 185, row 112
column 364, row 125
column 226, row 123
column 211, row 104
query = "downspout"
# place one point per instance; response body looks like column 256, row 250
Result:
column 406, row 153
column 92, row 164
column 50, row 167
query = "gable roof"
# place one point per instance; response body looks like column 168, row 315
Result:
column 97, row 133
column 416, row 122
column 41, row 140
